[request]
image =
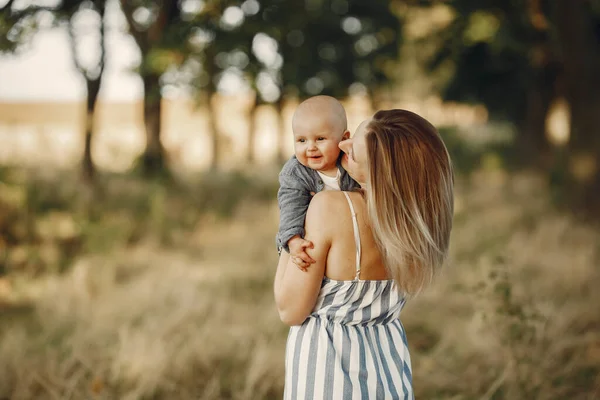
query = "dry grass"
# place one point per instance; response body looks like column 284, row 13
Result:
column 516, row 314
column 514, row 317
column 148, row 322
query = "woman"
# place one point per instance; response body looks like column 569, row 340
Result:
column 372, row 249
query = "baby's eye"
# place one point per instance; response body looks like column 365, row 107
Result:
column 301, row 140
column 321, row 138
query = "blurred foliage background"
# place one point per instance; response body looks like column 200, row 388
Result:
column 137, row 241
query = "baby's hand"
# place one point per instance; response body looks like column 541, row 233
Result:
column 298, row 253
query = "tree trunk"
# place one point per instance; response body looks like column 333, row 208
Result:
column 252, row 114
column 281, row 134
column 153, row 159
column 533, row 147
column 88, row 168
column 581, row 61
column 167, row 12
column 211, row 89
column 213, row 126
column 583, row 183
column 93, row 80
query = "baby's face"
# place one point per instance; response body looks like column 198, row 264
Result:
column 316, row 143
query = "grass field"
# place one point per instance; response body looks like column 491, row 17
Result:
column 163, row 291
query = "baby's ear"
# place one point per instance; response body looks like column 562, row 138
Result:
column 346, row 135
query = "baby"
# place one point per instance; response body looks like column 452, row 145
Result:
column 319, row 125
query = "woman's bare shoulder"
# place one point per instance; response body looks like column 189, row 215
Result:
column 325, row 212
column 331, row 203
column 327, row 198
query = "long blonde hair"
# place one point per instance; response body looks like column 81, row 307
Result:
column 410, row 196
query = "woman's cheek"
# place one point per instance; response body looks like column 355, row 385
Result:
column 352, row 168
column 344, row 161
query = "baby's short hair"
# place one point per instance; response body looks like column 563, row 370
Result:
column 324, row 106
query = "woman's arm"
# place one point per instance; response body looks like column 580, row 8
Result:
column 295, row 290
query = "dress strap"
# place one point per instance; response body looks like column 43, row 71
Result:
column 356, row 236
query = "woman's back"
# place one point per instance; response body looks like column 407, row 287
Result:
column 341, row 259
column 355, row 290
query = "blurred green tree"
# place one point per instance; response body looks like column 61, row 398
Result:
column 578, row 43
column 182, row 43
column 218, row 46
column 78, row 15
column 517, row 58
column 159, row 32
column 316, row 47
column 18, row 24
column 282, row 50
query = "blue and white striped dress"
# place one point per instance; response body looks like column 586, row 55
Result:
column 353, row 345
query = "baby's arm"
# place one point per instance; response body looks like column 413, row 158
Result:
column 293, row 197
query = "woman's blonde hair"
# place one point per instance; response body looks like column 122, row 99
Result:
column 410, row 196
